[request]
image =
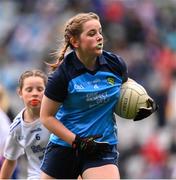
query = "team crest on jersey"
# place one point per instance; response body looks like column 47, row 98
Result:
column 111, row 80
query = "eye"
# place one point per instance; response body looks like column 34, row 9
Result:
column 28, row 89
column 91, row 33
column 40, row 89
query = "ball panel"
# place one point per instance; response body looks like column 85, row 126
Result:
column 133, row 104
column 135, row 86
column 119, row 107
column 132, row 97
column 142, row 102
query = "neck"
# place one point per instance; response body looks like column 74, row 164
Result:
column 31, row 115
column 88, row 61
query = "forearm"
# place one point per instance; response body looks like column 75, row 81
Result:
column 7, row 169
column 57, row 128
column 47, row 116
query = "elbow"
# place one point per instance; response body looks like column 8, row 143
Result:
column 43, row 118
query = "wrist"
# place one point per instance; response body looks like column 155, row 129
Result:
column 75, row 141
column 70, row 138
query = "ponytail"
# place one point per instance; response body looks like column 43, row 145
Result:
column 59, row 58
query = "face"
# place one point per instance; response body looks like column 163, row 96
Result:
column 32, row 91
column 91, row 39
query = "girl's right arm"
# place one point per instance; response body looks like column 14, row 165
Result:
column 47, row 117
column 7, row 169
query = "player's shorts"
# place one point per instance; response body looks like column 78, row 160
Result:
column 62, row 162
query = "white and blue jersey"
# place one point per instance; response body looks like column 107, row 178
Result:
column 88, row 97
column 27, row 138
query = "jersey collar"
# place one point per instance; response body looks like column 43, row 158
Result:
column 78, row 65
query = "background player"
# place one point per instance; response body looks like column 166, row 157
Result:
column 27, row 135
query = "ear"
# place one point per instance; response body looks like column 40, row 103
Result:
column 74, row 42
column 18, row 90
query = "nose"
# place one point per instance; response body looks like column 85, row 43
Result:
column 99, row 37
column 35, row 92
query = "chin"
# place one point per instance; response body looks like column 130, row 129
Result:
column 35, row 107
column 99, row 52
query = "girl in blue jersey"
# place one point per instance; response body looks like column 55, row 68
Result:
column 78, row 105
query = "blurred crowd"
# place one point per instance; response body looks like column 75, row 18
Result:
column 143, row 32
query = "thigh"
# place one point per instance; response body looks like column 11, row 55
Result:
column 109, row 171
column 104, row 166
column 59, row 162
column 45, row 176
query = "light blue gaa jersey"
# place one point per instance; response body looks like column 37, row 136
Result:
column 88, row 97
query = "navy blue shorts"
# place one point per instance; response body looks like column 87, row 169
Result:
column 62, row 162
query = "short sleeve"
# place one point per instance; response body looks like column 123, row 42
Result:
column 118, row 66
column 56, row 88
column 13, row 150
column 124, row 69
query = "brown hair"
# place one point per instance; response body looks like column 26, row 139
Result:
column 73, row 28
column 29, row 73
column 4, row 99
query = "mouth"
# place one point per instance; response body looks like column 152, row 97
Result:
column 99, row 46
column 34, row 102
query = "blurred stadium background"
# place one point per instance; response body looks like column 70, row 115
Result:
column 143, row 32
